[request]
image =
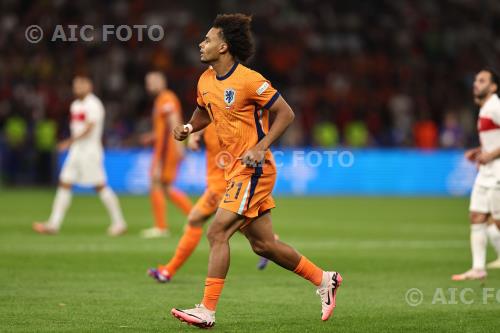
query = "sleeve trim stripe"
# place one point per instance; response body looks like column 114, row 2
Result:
column 271, row 101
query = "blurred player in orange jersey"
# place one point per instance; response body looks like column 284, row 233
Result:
column 204, row 208
column 168, row 154
column 237, row 100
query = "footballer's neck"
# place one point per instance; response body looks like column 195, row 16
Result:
column 223, row 65
column 481, row 101
column 82, row 97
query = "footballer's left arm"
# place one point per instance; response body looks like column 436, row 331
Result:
column 284, row 117
column 65, row 144
column 173, row 120
column 486, row 157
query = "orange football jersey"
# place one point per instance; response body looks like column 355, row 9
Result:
column 238, row 104
column 165, row 148
column 215, row 171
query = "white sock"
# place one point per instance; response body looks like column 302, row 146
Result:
column 478, row 242
column 494, row 237
column 110, row 201
column 59, row 207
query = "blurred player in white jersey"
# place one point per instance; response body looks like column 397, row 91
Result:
column 84, row 163
column 485, row 197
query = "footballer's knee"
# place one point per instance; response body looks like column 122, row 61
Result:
column 99, row 188
column 478, row 218
column 262, row 248
column 168, row 188
column 65, row 185
column 216, row 235
column 196, row 219
column 156, row 184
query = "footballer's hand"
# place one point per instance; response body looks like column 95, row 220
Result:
column 194, row 142
column 485, row 158
column 181, row 132
column 254, row 157
column 472, row 154
column 147, row 139
column 156, row 175
column 64, row 145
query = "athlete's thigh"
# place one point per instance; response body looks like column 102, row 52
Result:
column 93, row 172
column 170, row 168
column 71, row 169
column 495, row 204
column 207, row 204
column 225, row 222
column 260, row 228
column 479, row 200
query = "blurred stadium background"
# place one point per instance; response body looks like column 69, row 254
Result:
column 377, row 74
column 386, row 81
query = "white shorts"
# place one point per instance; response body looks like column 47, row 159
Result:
column 485, row 200
column 83, row 169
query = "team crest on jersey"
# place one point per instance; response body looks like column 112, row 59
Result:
column 229, row 96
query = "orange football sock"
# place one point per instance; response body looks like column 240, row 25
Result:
column 159, row 207
column 309, row 271
column 213, row 289
column 180, row 199
column 186, row 246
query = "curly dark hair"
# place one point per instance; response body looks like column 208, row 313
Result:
column 235, row 31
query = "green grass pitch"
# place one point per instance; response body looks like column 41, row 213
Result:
column 84, row 281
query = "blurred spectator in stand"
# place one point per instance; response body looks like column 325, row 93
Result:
column 326, row 135
column 425, row 133
column 356, row 134
column 45, row 142
column 401, row 110
column 16, row 137
column 452, row 134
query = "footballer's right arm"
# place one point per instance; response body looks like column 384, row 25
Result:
column 199, row 121
column 472, row 154
column 65, row 144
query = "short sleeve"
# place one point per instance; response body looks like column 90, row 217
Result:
column 260, row 91
column 95, row 112
column 167, row 106
column 495, row 115
column 199, row 94
column 199, row 99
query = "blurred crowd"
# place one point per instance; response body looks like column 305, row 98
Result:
column 358, row 74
